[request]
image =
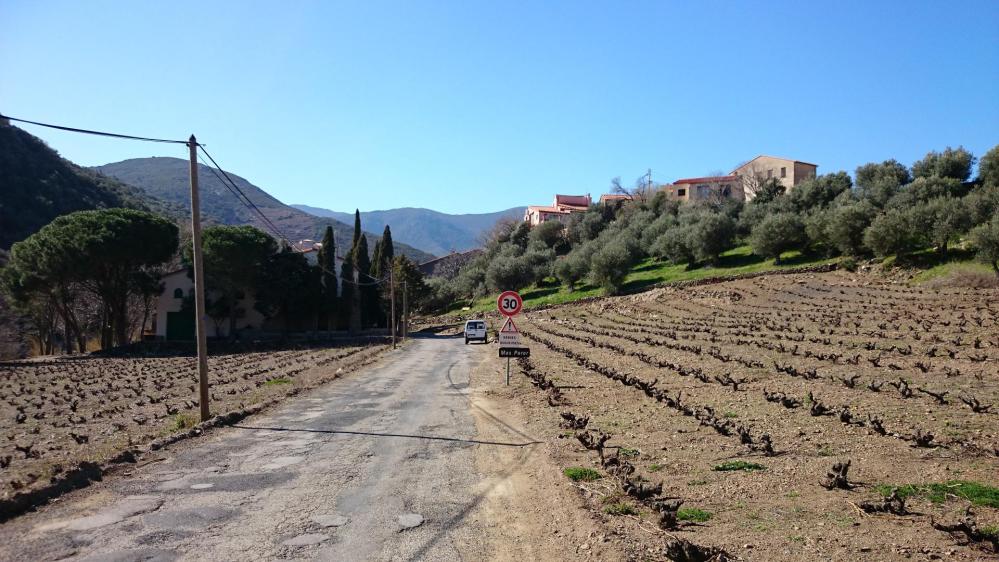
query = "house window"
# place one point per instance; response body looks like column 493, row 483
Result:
column 681, row 192
column 178, row 293
column 727, row 191
column 783, row 172
column 770, row 174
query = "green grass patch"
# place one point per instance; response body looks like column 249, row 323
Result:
column 975, row 492
column 580, row 474
column 656, row 467
column 730, row 415
column 620, row 508
column 644, row 274
column 730, row 466
column 183, row 421
column 698, row 482
column 626, row 452
column 693, row 514
column 279, row 380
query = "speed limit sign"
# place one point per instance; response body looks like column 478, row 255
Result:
column 509, row 303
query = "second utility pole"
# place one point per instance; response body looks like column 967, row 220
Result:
column 199, row 285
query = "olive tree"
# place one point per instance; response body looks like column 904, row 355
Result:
column 952, row 163
column 985, row 239
column 776, row 234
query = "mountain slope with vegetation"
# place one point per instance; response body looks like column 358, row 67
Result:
column 166, row 179
column 431, row 231
column 37, row 185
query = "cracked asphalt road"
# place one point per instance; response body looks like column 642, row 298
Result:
column 376, row 466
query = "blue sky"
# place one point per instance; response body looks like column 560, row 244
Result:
column 480, row 106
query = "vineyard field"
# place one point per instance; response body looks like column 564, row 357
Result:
column 777, row 413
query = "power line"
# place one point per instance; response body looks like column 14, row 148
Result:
column 231, row 186
column 90, row 132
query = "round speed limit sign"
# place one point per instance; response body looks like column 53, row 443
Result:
column 509, row 303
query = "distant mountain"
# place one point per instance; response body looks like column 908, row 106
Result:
column 37, row 185
column 167, row 180
column 432, row 231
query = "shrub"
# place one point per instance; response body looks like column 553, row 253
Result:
column 693, row 514
column 731, row 466
column 580, row 474
column 620, row 508
column 777, row 234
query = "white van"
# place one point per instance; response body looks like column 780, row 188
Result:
column 476, row 330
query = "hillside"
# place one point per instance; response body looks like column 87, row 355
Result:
column 432, row 231
column 166, row 179
column 37, row 185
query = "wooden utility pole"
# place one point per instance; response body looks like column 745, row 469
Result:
column 199, row 285
column 405, row 310
column 392, row 307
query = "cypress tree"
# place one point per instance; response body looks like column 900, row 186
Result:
column 326, row 259
column 376, row 261
column 368, row 293
column 348, row 294
column 388, row 250
column 357, row 229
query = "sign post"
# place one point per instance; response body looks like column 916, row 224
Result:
column 509, row 304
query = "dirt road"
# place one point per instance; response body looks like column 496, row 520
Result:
column 381, row 465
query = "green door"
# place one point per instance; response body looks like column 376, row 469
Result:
column 180, row 325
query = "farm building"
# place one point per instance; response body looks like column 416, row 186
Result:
column 762, row 168
column 560, row 209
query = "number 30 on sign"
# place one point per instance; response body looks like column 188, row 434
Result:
column 509, row 303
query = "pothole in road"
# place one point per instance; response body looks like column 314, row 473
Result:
column 281, row 462
column 410, row 521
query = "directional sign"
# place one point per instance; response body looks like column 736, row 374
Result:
column 509, row 303
column 514, row 352
column 509, row 336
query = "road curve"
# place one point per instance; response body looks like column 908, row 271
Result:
column 376, row 466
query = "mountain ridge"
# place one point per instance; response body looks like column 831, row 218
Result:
column 433, row 231
column 166, row 179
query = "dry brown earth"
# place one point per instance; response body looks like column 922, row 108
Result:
column 791, row 334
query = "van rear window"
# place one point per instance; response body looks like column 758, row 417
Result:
column 475, row 325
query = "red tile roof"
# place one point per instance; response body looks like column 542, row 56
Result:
column 573, row 200
column 711, row 179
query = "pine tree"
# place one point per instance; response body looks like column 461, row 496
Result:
column 326, row 259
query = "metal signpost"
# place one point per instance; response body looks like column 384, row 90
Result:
column 509, row 304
